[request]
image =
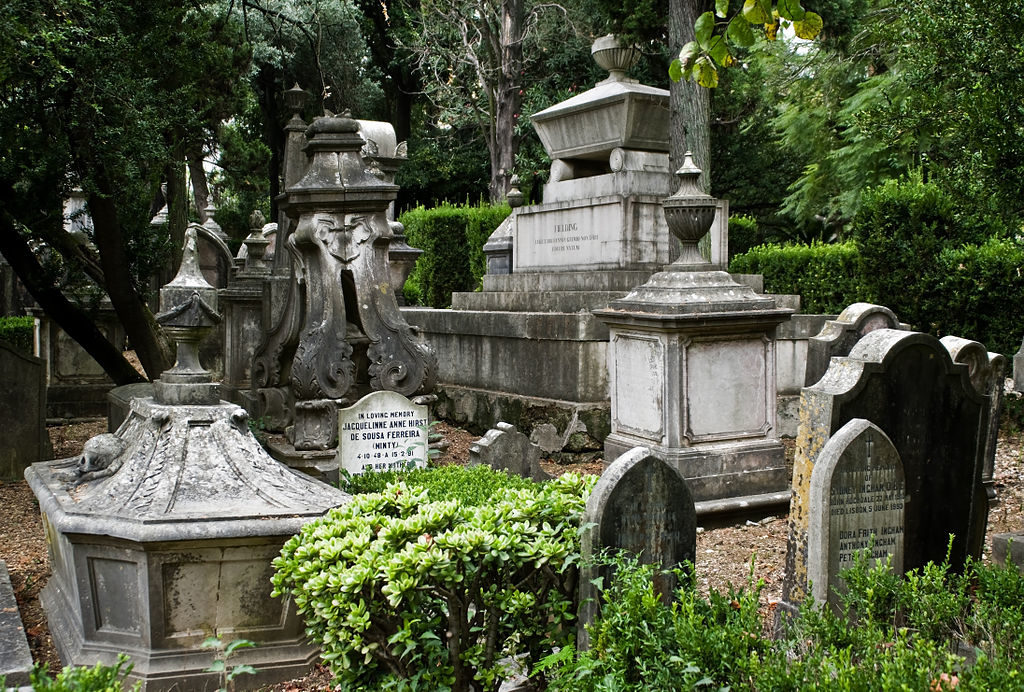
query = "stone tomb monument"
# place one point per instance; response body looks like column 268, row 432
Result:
column 907, row 385
column 692, row 368
column 164, row 533
column 526, row 347
column 856, row 501
column 383, row 431
column 340, row 334
column 643, row 506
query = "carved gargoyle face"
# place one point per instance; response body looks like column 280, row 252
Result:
column 99, row 452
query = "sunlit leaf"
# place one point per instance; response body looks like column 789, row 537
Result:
column 754, row 12
column 740, row 33
column 675, row 70
column 791, row 9
column 722, row 8
column 771, row 31
column 809, row 27
column 706, row 72
column 703, row 29
column 720, row 52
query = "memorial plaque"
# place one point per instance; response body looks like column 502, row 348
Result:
column 383, row 431
column 641, row 505
column 856, row 502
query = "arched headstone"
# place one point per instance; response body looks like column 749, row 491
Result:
column 857, row 498
column 641, row 505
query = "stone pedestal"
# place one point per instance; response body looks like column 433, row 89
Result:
column 692, row 377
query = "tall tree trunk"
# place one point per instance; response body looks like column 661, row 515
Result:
column 508, row 100
column 177, row 211
column 689, row 103
column 139, row 323
column 70, row 317
column 200, row 189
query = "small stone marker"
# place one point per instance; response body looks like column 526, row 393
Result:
column 383, row 431
column 856, row 502
column 644, row 506
column 506, row 449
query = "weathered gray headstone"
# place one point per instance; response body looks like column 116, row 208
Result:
column 641, row 505
column 985, row 371
column 856, row 502
column 23, row 410
column 906, row 384
column 840, row 335
column 383, row 431
column 507, row 449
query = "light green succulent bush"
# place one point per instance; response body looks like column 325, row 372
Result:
column 404, row 593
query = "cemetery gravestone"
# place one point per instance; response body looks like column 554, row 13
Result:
column 505, row 448
column 383, row 431
column 641, row 505
column 840, row 335
column 906, row 384
column 23, row 408
column 856, row 502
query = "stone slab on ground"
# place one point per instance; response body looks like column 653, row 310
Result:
column 15, row 657
column 1009, row 548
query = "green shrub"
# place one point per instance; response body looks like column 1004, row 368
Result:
column 99, row 678
column 978, row 293
column 19, row 332
column 900, row 230
column 890, row 633
column 452, row 239
column 823, row 275
column 473, row 485
column 743, row 234
column 401, row 592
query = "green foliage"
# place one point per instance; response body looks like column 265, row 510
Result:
column 640, row 643
column 889, row 633
column 824, row 276
column 901, row 228
column 403, row 592
column 719, row 37
column 19, row 332
column 224, row 650
column 471, row 486
column 99, row 678
column 978, row 292
column 743, row 234
column 452, row 239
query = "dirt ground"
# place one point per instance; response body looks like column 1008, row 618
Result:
column 723, row 554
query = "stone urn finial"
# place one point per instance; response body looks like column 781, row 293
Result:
column 689, row 214
column 611, row 55
column 515, row 195
column 188, row 310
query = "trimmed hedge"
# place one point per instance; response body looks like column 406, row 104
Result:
column 971, row 291
column 19, row 332
column 978, row 294
column 452, row 238
column 824, row 276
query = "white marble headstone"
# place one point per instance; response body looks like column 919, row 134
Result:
column 383, row 431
